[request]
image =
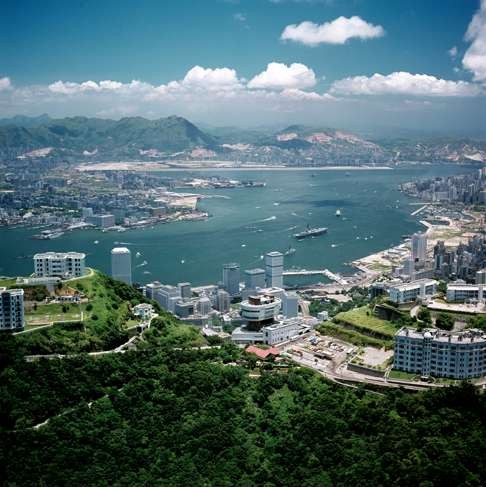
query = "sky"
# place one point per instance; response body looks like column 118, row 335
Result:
column 406, row 64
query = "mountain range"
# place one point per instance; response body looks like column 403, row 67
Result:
column 77, row 139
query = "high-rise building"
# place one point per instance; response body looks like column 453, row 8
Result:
column 231, row 278
column 185, row 290
column 151, row 289
column 290, row 305
column 167, row 296
column 101, row 221
column 481, row 277
column 223, row 301
column 11, row 309
column 203, row 306
column 274, row 269
column 59, row 264
column 255, row 278
column 121, row 264
column 419, row 247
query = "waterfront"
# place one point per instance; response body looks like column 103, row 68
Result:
column 250, row 222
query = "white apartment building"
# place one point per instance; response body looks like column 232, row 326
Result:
column 410, row 291
column 465, row 292
column 432, row 352
column 282, row 331
column 144, row 311
column 59, row 264
column 11, row 309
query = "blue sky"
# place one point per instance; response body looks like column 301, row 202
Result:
column 415, row 64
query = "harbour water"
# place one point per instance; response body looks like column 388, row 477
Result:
column 250, row 222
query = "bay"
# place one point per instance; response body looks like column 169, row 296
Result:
column 248, row 222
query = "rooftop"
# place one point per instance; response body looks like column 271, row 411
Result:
column 262, row 353
column 414, row 284
column 120, row 250
column 468, row 336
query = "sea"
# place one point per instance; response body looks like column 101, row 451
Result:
column 245, row 223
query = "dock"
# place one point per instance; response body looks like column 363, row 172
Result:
column 325, row 272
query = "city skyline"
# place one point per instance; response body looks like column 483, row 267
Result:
column 337, row 63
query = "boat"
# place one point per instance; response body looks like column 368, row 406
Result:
column 290, row 251
column 338, row 212
column 310, row 232
column 53, row 235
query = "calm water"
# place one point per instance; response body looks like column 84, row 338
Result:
column 250, row 223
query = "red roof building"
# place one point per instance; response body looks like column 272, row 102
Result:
column 262, row 353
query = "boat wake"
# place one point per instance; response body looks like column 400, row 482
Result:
column 269, row 219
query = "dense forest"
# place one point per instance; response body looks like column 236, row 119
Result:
column 191, row 417
column 173, row 414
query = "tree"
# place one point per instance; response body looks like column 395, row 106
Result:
column 424, row 315
column 444, row 321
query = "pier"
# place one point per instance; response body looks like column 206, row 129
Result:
column 326, row 272
column 416, row 212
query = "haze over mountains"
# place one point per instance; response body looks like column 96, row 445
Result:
column 77, row 139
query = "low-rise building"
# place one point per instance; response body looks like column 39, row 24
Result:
column 144, row 311
column 11, row 309
column 433, row 352
column 282, row 331
column 410, row 291
column 465, row 292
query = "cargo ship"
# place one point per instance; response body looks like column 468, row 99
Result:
column 310, row 232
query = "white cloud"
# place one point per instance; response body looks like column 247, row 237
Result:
column 72, row 88
column 239, row 16
column 474, row 58
column 336, row 32
column 403, row 83
column 452, row 52
column 299, row 95
column 279, row 76
column 211, row 79
column 5, row 84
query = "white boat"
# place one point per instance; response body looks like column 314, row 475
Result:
column 290, row 251
column 338, row 212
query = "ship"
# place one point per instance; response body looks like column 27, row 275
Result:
column 310, row 232
column 338, row 212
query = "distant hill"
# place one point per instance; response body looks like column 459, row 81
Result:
column 25, row 121
column 81, row 135
column 78, row 139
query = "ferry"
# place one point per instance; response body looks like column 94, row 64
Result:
column 310, row 232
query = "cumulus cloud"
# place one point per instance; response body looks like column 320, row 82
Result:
column 279, row 76
column 452, row 52
column 211, row 79
column 5, row 84
column 474, row 58
column 403, row 83
column 339, row 31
